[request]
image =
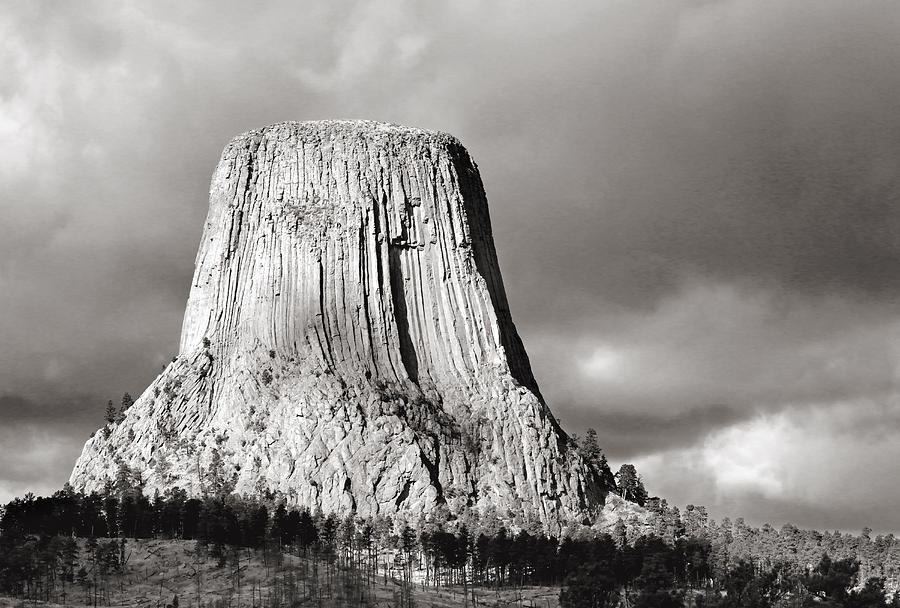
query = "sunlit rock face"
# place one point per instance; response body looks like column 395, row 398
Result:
column 347, row 342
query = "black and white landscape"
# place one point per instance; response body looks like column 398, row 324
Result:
column 693, row 206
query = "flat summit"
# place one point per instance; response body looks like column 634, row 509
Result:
column 348, row 344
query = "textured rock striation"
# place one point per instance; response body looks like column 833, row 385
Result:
column 348, row 343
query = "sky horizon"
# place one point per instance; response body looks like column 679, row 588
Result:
column 693, row 204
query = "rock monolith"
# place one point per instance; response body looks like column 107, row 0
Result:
column 348, row 344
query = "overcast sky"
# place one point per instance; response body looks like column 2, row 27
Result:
column 694, row 204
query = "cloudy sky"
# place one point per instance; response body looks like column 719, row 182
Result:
column 694, row 203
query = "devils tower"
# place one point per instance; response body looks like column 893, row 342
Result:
column 347, row 342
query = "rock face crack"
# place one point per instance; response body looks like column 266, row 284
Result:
column 348, row 292
column 404, row 494
column 398, row 297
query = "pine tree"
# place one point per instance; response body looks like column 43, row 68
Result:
column 606, row 475
column 589, row 449
column 630, row 485
column 127, row 402
column 110, row 412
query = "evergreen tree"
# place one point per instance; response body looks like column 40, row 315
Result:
column 833, row 578
column 630, row 485
column 110, row 415
column 589, row 448
column 127, row 402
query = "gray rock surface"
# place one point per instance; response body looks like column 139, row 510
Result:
column 348, row 343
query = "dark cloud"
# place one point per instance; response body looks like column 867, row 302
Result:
column 16, row 409
column 37, row 456
column 757, row 509
column 752, row 352
column 628, row 434
column 693, row 202
column 758, row 143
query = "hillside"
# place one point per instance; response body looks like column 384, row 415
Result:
column 229, row 550
column 155, row 572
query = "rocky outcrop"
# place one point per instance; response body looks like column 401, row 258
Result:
column 348, row 343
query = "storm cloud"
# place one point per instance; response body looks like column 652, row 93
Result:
column 694, row 206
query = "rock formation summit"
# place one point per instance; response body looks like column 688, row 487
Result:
column 347, row 342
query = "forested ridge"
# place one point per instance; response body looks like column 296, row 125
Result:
column 685, row 560
column 75, row 545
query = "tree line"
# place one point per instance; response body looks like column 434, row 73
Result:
column 680, row 559
column 664, row 557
